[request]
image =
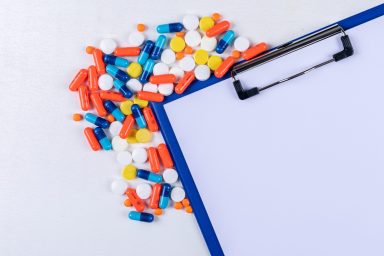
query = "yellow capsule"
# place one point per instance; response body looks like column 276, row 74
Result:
column 214, row 62
column 177, row 44
column 129, row 172
column 131, row 139
column 206, row 23
column 134, row 70
column 143, row 135
column 141, row 103
column 201, row 57
column 125, row 107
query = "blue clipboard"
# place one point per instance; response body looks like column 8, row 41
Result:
column 179, row 160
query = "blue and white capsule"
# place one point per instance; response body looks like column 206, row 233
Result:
column 138, row 115
column 170, row 28
column 145, row 52
column 115, row 111
column 150, row 176
column 102, row 138
column 225, row 41
column 164, row 196
column 159, row 46
column 117, row 73
column 121, row 87
column 98, row 121
column 141, row 216
column 147, row 71
column 117, row 61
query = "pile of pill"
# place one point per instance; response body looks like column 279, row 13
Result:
column 115, row 93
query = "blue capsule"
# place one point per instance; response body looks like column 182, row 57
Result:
column 102, row 138
column 117, row 61
column 138, row 115
column 164, row 196
column 101, row 122
column 170, row 28
column 111, row 108
column 122, row 88
column 150, row 176
column 141, row 216
column 147, row 71
column 145, row 52
column 225, row 41
column 159, row 46
column 117, row 73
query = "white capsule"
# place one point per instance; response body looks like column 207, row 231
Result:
column 166, row 89
column 108, row 45
column 139, row 155
column 190, row 22
column 105, row 82
column 178, row 72
column 168, row 56
column 177, row 194
column 192, row 38
column 170, row 176
column 134, row 85
column 160, row 69
column 241, row 44
column 208, row 43
column 115, row 127
column 202, row 72
column 119, row 144
column 149, row 87
column 118, row 187
column 124, row 158
column 136, row 38
column 187, row 63
column 144, row 190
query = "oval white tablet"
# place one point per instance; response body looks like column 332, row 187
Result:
column 202, row 72
column 178, row 72
column 160, row 69
column 187, row 63
column 241, row 43
column 134, row 85
column 118, row 187
column 149, row 87
column 139, row 155
column 170, row 176
column 119, row 144
column 166, row 89
column 192, row 38
column 115, row 127
column 208, row 43
column 144, row 190
column 105, row 82
column 168, row 56
column 124, row 158
column 177, row 194
column 108, row 45
column 136, row 38
column 190, row 22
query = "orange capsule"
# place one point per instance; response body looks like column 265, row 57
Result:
column 91, row 138
column 98, row 59
column 185, row 202
column 153, row 159
column 162, row 79
column 225, row 66
column 77, row 117
column 127, row 51
column 127, row 203
column 150, row 119
column 113, row 96
column 79, row 79
column 111, row 118
column 150, row 96
column 92, row 78
column 84, row 98
column 185, row 82
column 179, row 55
column 98, row 103
column 165, row 156
column 155, row 196
column 188, row 50
column 128, row 123
column 135, row 200
column 255, row 50
column 178, row 205
column 218, row 29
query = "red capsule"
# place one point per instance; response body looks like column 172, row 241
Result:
column 135, row 200
column 225, row 66
column 151, row 120
column 79, row 79
column 128, row 123
column 91, row 138
column 163, row 79
column 185, row 82
column 218, row 29
column 150, row 96
column 165, row 156
column 127, row 51
column 98, row 103
column 98, row 59
column 84, row 98
column 92, row 78
column 153, row 159
column 113, row 96
column 255, row 50
column 155, row 197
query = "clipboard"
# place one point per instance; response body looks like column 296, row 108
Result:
column 169, row 135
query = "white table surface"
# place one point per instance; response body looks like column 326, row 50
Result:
column 54, row 196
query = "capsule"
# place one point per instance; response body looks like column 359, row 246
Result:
column 150, row 96
column 98, row 103
column 255, row 50
column 170, row 28
column 127, row 127
column 150, row 176
column 102, row 138
column 117, row 73
column 153, row 159
column 225, row 41
column 165, row 156
column 159, row 46
column 225, row 66
column 79, row 79
column 164, row 196
column 98, row 121
column 145, row 52
column 114, row 96
column 185, row 82
column 136, row 201
column 163, row 79
column 147, row 71
column 155, row 196
column 127, row 51
column 113, row 60
column 91, row 138
column 92, row 78
column 138, row 115
column 122, row 88
column 141, row 216
column 218, row 29
column 150, row 119
column 98, row 59
column 115, row 111
column 84, row 98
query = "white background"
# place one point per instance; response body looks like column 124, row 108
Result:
column 54, row 197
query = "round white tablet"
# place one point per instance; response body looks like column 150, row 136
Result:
column 119, row 144
column 208, row 43
column 108, row 45
column 177, row 194
column 166, row 89
column 139, row 155
column 136, row 38
column 144, row 190
column 202, row 72
column 115, row 127
column 124, row 157
column 134, row 85
column 192, row 38
column 241, row 44
column 190, row 22
column 178, row 72
column 187, row 63
column 105, row 82
column 118, row 187
column 160, row 69
column 170, row 176
column 168, row 56
column 149, row 87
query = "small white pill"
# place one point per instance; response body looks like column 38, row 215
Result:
column 115, row 127
column 124, row 157
column 108, row 45
column 119, row 144
column 144, row 190
column 136, row 38
column 166, row 89
column 134, row 85
column 149, row 87
column 190, row 22
column 192, row 38
column 202, row 72
column 139, row 155
column 105, row 82
column 178, row 72
column 168, row 56
column 208, row 43
column 160, row 69
column 170, row 176
column 241, row 44
column 187, row 63
column 177, row 194
column 118, row 187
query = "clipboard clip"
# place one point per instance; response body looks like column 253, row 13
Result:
column 288, row 48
